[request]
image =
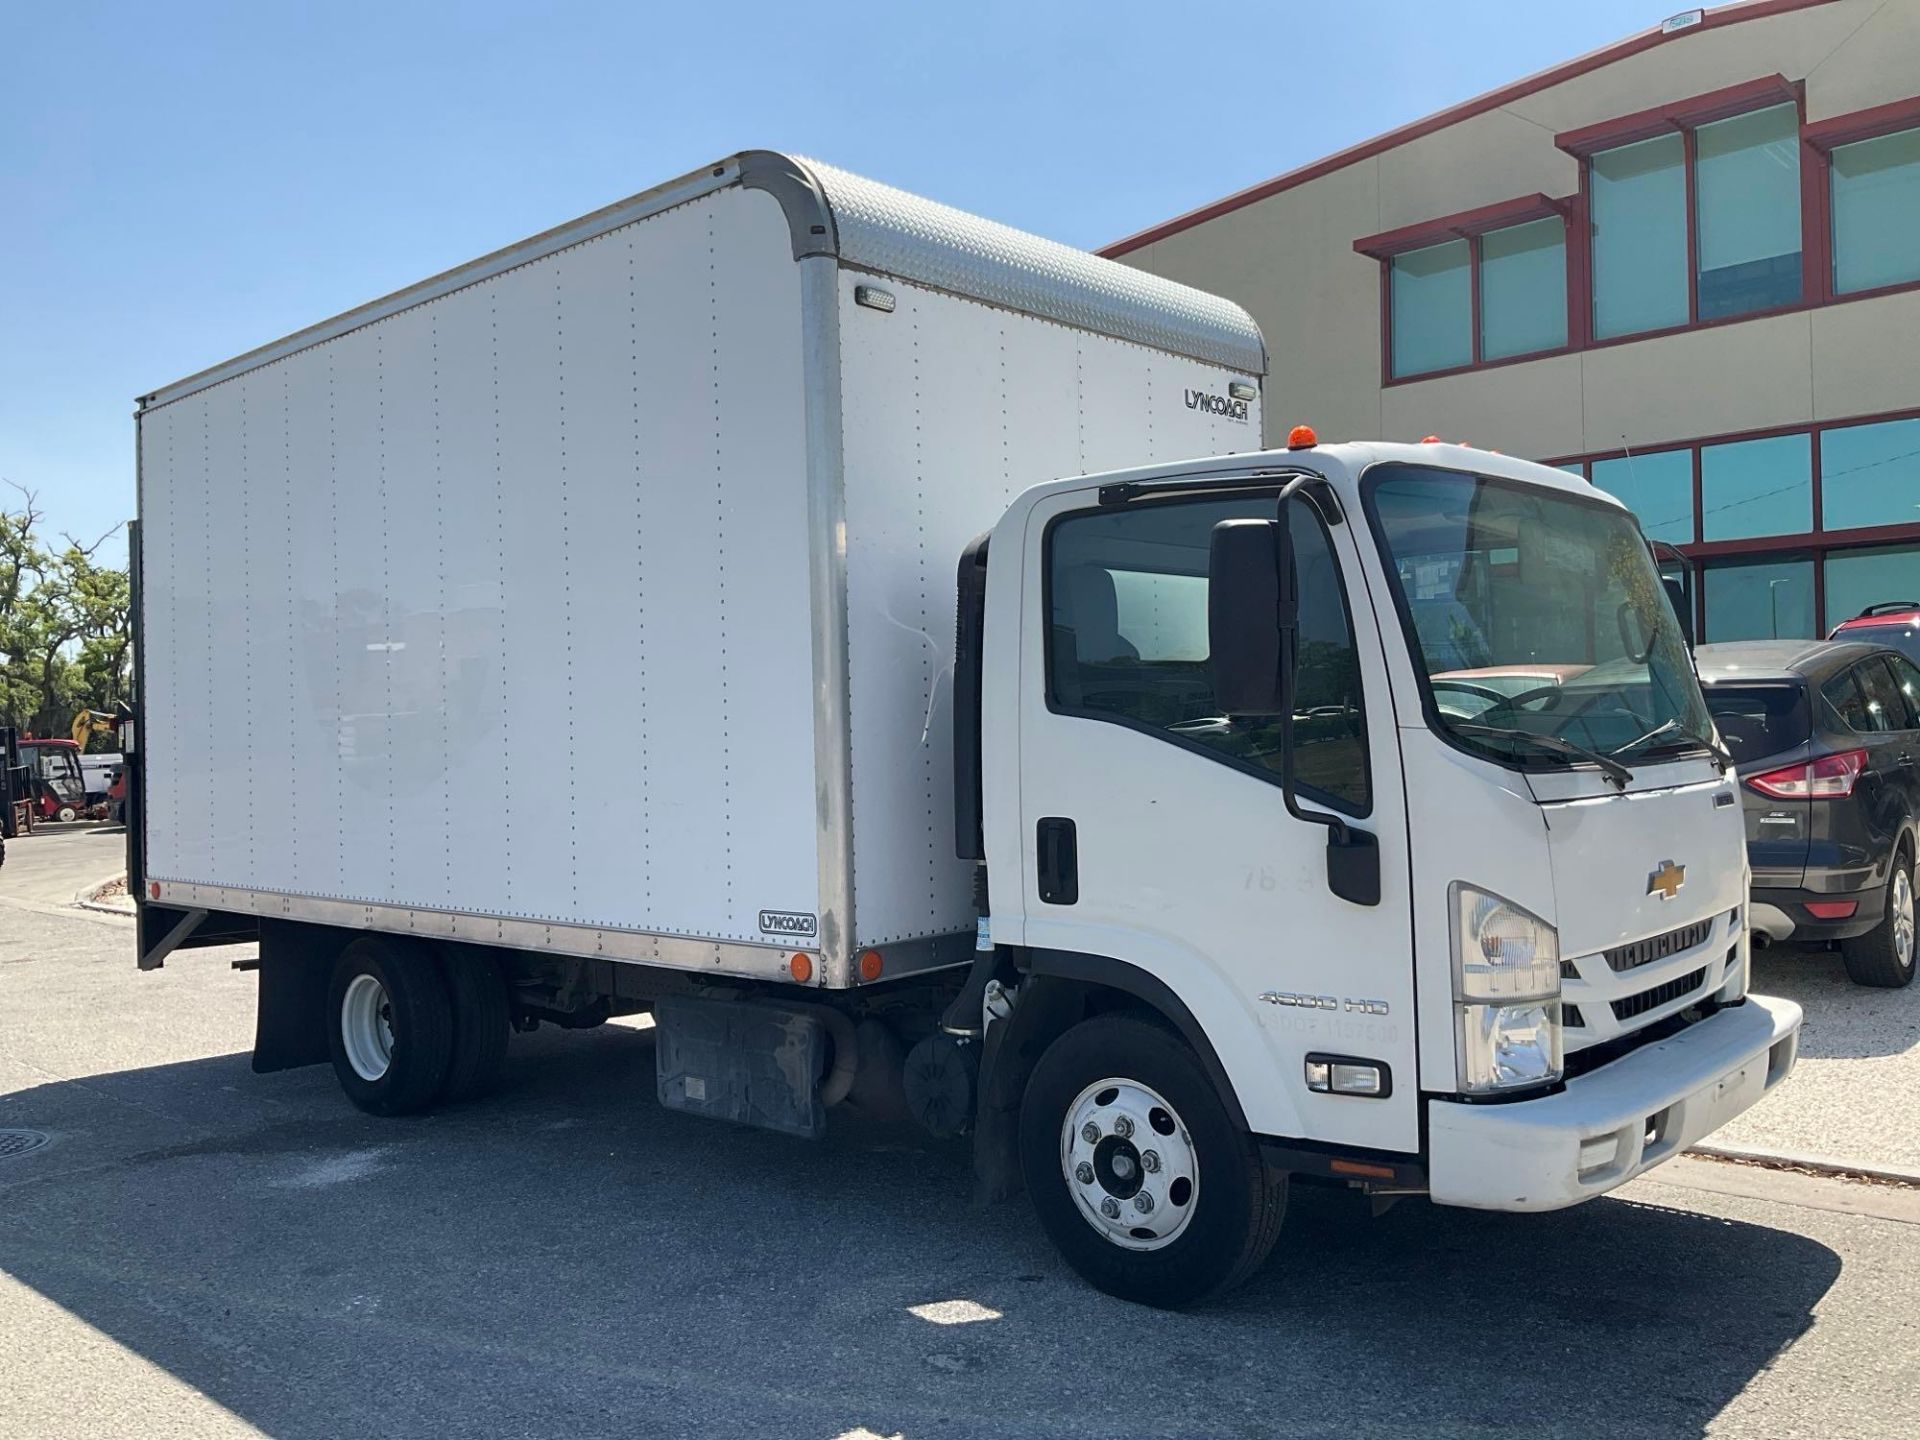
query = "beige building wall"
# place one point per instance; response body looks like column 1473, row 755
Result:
column 1289, row 259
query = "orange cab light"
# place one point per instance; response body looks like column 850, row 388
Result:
column 801, row 967
column 1431, row 440
column 1301, row 437
column 871, row 964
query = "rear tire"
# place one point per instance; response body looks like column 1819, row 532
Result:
column 1216, row 1204
column 1884, row 956
column 389, row 1025
column 481, row 1020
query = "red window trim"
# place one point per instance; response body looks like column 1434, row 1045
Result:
column 1683, row 115
column 1818, row 140
column 1870, row 124
column 1470, row 226
column 1816, row 544
column 1460, row 226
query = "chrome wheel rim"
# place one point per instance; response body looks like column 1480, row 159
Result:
column 1903, row 916
column 366, row 1027
column 1129, row 1164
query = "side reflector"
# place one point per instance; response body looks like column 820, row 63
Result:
column 801, row 967
column 1361, row 1167
column 1832, row 909
column 871, row 964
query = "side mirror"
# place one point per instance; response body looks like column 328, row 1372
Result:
column 1682, row 603
column 1249, row 566
column 1253, row 634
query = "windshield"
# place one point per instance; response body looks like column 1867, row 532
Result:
column 1535, row 613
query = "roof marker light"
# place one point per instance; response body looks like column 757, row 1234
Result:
column 1431, row 440
column 1301, row 437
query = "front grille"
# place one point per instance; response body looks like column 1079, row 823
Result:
column 1571, row 1018
column 1644, row 952
column 1659, row 995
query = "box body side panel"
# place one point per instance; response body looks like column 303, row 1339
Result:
column 954, row 407
column 499, row 606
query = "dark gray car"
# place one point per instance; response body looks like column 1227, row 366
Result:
column 1826, row 737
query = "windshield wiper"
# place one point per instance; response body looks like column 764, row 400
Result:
column 1667, row 727
column 1613, row 769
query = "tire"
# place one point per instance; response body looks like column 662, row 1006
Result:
column 481, row 1020
column 1883, row 957
column 66, row 814
column 389, row 1025
column 1114, row 1069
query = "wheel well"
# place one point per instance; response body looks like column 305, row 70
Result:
column 1058, row 990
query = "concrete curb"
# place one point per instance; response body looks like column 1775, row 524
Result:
column 88, row 899
column 1816, row 1164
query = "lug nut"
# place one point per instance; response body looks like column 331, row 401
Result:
column 1143, row 1202
column 1150, row 1161
column 1090, row 1133
column 1123, row 1127
column 1110, row 1208
column 1083, row 1172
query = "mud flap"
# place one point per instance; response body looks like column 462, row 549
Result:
column 290, row 1027
column 1044, row 1009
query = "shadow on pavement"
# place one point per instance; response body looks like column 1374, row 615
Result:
column 567, row 1258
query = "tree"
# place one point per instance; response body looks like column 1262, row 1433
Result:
column 65, row 624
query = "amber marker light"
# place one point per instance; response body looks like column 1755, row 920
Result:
column 1301, row 437
column 801, row 967
column 871, row 964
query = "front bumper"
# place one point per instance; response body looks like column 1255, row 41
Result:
column 1619, row 1121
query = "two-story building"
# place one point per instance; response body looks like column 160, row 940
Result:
column 1686, row 265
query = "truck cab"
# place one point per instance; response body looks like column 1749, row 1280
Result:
column 1499, row 956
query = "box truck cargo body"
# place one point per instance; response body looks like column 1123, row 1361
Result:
column 1173, row 827
column 693, row 474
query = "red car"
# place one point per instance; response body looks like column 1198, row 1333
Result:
column 1894, row 623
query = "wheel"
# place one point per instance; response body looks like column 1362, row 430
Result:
column 66, row 814
column 1883, row 957
column 480, row 1023
column 1139, row 1175
column 391, row 1035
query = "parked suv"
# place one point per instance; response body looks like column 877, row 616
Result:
column 1826, row 737
column 1895, row 623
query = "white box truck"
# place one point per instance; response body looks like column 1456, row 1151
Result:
column 1345, row 813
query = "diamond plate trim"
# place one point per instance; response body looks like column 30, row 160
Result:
column 896, row 233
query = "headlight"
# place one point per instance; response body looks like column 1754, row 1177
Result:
column 1506, row 989
column 1501, row 952
column 1502, row 1046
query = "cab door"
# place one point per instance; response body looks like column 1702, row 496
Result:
column 1154, row 829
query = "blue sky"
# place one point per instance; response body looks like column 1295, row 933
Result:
column 180, row 182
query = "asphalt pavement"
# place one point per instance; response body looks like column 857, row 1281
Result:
column 198, row 1250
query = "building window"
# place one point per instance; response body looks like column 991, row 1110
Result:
column 1859, row 578
column 1747, row 198
column 1639, row 204
column 1876, row 212
column 1756, row 487
column 1657, row 487
column 1523, row 289
column 1433, row 308
column 1870, row 475
column 1759, row 599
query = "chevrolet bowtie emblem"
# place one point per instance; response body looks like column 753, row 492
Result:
column 1667, row 880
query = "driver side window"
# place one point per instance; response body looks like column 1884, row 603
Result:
column 1127, row 641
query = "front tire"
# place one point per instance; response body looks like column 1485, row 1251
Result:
column 390, row 1029
column 1884, row 956
column 1119, row 1109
